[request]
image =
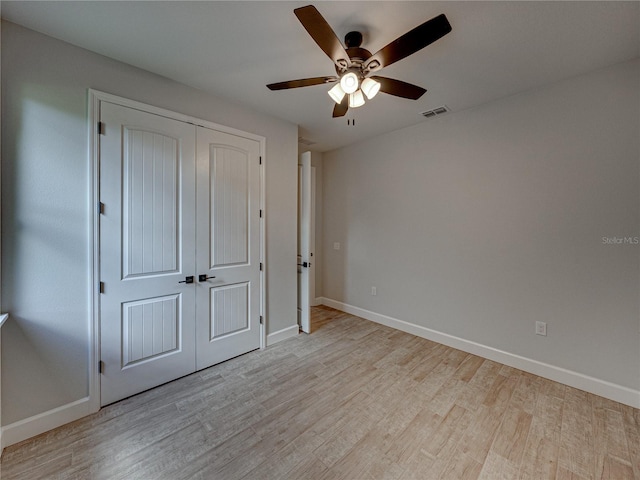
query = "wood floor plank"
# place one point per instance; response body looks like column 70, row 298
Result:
column 631, row 421
column 564, row 474
column 577, row 444
column 540, row 459
column 310, row 467
column 462, row 467
column 365, row 460
column 445, row 435
column 512, row 435
column 496, row 467
column 500, row 393
column 340, row 441
column 157, row 458
column 418, row 431
column 615, row 469
column 353, row 400
column 547, row 418
column 468, row 368
column 44, row 468
column 428, row 364
column 480, row 435
column 525, row 396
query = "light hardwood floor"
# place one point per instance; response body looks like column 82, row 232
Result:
column 353, row 400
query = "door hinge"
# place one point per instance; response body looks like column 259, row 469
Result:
column 260, row 213
column 101, row 128
column 260, row 160
column 100, row 208
column 101, row 287
column 100, row 366
column 260, row 266
column 261, row 320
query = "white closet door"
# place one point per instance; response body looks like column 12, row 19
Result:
column 228, row 254
column 147, row 242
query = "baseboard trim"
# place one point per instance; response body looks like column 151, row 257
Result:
column 43, row 422
column 283, row 334
column 577, row 380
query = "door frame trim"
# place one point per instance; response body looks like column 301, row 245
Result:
column 95, row 98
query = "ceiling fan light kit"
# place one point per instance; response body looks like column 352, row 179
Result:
column 370, row 87
column 337, row 93
column 349, row 82
column 356, row 99
column 354, row 65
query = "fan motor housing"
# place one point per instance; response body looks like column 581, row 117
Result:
column 353, row 39
column 357, row 54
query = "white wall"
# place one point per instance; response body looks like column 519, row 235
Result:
column 45, row 208
column 478, row 223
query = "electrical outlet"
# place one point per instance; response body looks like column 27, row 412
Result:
column 541, row 329
column 336, row 245
column 374, row 291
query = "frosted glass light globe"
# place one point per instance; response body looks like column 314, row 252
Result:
column 349, row 82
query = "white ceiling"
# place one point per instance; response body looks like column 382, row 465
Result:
column 233, row 49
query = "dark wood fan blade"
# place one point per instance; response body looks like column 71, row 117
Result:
column 323, row 34
column 399, row 88
column 409, row 43
column 303, row 82
column 341, row 109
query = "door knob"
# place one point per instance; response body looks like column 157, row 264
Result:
column 203, row 277
column 188, row 279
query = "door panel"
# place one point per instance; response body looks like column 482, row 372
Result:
column 150, row 207
column 147, row 245
column 229, row 312
column 230, row 200
column 304, row 232
column 150, row 328
column 228, row 232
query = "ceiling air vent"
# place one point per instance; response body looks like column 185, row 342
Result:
column 306, row 141
column 435, row 111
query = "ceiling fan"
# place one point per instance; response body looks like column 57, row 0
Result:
column 355, row 65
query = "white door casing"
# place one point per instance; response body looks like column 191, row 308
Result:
column 312, row 242
column 304, row 249
column 151, row 328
